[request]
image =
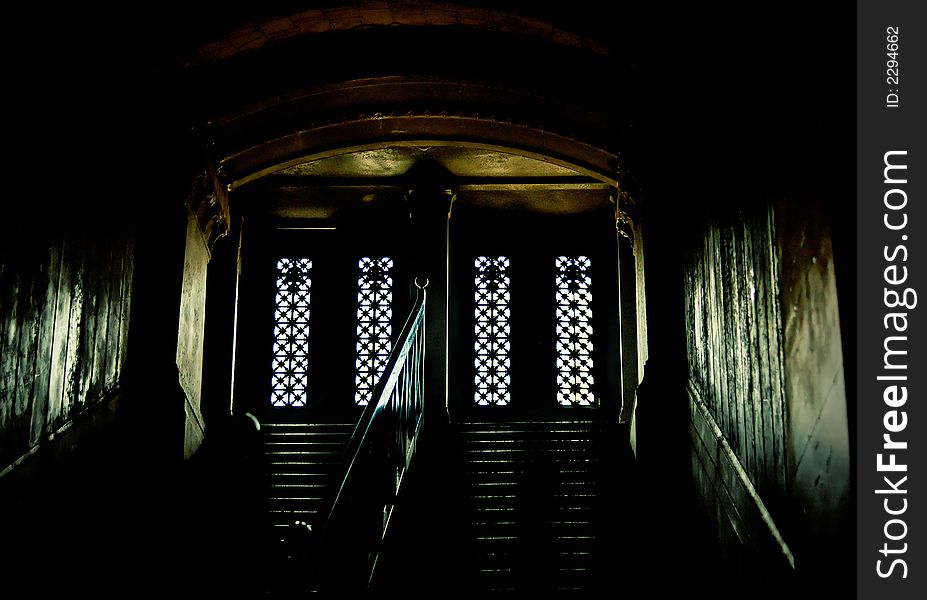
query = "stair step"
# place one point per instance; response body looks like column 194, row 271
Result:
column 321, row 476
column 578, row 541
column 289, row 513
column 533, row 498
column 532, row 424
column 285, row 425
column 486, row 460
column 565, row 505
column 325, row 462
column 525, row 454
column 541, row 450
column 301, row 465
column 300, row 472
column 309, row 432
column 576, row 435
column 506, row 471
column 502, row 556
column 303, row 468
column 299, row 482
column 298, row 486
column 530, row 437
column 305, row 498
column 312, row 442
column 527, row 442
column 321, row 463
column 300, row 503
column 505, row 524
column 557, row 472
column 275, row 452
column 579, row 484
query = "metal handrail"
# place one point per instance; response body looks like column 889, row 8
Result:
column 399, row 393
column 382, row 392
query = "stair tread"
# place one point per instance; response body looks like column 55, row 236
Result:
column 301, row 465
column 558, row 470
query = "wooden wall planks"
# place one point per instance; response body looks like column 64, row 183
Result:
column 64, row 310
column 734, row 336
column 10, row 287
column 43, row 361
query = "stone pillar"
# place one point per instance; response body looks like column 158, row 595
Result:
column 162, row 420
column 628, row 302
column 431, row 204
column 207, row 221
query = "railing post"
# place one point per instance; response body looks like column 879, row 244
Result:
column 431, row 205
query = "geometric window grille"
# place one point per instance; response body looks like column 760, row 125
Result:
column 492, row 332
column 374, row 324
column 291, row 333
column 574, row 332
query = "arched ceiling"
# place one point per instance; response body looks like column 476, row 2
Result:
column 457, row 161
column 277, row 28
column 369, row 89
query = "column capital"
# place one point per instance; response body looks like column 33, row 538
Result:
column 627, row 214
column 208, row 201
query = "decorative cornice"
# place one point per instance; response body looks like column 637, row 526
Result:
column 251, row 163
column 208, row 201
column 626, row 211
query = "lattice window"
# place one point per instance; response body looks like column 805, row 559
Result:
column 374, row 324
column 492, row 331
column 574, row 332
column 291, row 333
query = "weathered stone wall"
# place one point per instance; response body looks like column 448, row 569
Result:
column 191, row 333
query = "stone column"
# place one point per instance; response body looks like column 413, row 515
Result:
column 431, row 204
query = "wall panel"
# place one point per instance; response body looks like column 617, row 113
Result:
column 64, row 309
column 734, row 341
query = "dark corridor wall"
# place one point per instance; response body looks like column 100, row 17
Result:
column 769, row 428
column 734, row 341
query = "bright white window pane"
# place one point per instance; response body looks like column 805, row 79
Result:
column 492, row 331
column 291, row 333
column 374, row 324
column 574, row 332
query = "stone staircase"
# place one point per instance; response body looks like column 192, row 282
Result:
column 496, row 506
column 539, row 503
column 301, row 462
